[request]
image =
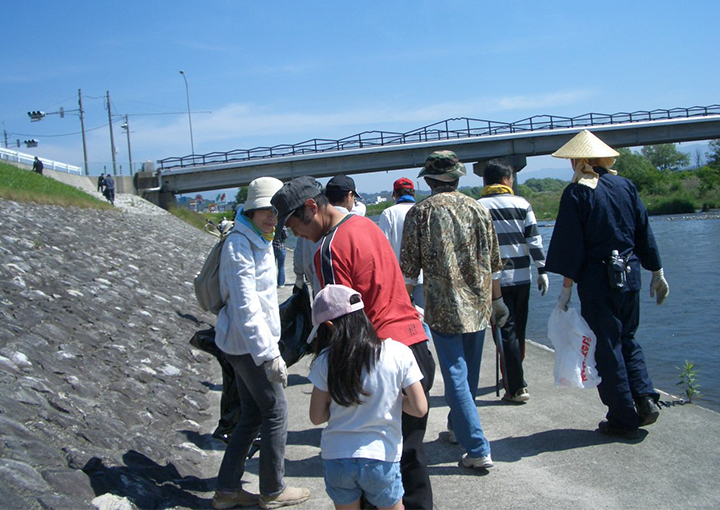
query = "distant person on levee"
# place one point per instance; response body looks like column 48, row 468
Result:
column 38, row 165
column 601, row 238
column 520, row 241
column 109, row 189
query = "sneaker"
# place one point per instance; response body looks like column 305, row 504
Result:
column 234, row 499
column 608, row 429
column 290, row 496
column 451, row 437
column 521, row 396
column 484, row 462
column 647, row 410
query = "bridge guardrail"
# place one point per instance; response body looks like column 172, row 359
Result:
column 448, row 129
column 29, row 159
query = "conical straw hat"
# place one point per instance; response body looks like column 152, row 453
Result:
column 585, row 145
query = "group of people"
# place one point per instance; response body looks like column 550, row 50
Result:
column 444, row 269
column 106, row 186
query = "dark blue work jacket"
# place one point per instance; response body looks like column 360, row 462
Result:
column 591, row 223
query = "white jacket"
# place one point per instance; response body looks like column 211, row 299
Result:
column 249, row 323
column 392, row 221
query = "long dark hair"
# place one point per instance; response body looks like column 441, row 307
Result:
column 353, row 345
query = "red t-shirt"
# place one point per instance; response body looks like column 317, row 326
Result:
column 358, row 255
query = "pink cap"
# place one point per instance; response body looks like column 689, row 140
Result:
column 331, row 302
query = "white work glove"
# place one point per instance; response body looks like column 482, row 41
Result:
column 543, row 283
column 659, row 286
column 564, row 298
column 276, row 371
column 500, row 312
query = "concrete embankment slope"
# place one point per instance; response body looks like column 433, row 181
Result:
column 100, row 391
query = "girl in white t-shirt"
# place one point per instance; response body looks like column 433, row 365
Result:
column 361, row 386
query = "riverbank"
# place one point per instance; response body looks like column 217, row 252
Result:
column 100, row 391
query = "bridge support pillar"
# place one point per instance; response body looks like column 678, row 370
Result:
column 518, row 162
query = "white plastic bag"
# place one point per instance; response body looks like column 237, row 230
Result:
column 574, row 344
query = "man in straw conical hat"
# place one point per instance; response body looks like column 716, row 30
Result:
column 601, row 240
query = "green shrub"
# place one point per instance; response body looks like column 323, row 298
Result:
column 669, row 205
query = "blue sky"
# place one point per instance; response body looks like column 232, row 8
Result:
column 285, row 71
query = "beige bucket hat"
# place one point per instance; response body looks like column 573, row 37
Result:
column 585, row 145
column 260, row 191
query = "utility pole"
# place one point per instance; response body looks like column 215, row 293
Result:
column 126, row 127
column 82, row 129
column 112, row 140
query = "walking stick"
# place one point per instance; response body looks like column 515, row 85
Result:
column 499, row 357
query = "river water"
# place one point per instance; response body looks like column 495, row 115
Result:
column 686, row 326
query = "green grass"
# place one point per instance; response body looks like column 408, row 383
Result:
column 188, row 216
column 21, row 185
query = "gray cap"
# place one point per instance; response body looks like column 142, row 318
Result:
column 293, row 195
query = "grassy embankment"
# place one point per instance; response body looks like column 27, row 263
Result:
column 21, row 185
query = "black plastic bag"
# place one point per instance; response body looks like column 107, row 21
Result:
column 296, row 322
column 230, row 399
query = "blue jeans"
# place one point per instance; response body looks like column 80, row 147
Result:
column 459, row 356
column 348, row 479
column 263, row 408
column 280, row 262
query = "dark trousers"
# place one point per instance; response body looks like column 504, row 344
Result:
column 516, row 298
column 413, row 463
column 619, row 358
column 280, row 262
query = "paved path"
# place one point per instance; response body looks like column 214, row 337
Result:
column 547, row 453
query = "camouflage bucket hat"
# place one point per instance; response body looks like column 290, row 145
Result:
column 443, row 166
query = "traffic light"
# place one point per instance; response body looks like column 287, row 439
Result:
column 36, row 115
column 31, row 143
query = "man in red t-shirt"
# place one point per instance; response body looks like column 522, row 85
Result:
column 354, row 252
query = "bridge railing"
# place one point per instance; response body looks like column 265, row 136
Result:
column 449, row 129
column 29, row 159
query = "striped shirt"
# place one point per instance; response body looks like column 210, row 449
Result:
column 518, row 236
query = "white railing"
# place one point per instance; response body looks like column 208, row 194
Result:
column 29, row 159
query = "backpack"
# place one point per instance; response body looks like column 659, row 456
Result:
column 207, row 281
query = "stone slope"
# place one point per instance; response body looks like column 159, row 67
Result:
column 100, row 390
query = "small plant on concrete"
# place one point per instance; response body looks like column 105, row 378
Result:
column 689, row 380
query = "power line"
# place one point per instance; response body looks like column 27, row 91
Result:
column 66, row 134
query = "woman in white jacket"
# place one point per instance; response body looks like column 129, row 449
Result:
column 248, row 332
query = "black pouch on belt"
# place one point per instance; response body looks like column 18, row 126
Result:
column 617, row 268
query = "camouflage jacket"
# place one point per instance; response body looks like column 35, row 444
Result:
column 452, row 239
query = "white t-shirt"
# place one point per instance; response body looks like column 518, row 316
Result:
column 392, row 221
column 371, row 430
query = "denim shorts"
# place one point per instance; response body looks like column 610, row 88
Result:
column 348, row 479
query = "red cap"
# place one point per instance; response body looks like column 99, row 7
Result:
column 403, row 183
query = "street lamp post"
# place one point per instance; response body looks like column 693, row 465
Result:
column 187, row 94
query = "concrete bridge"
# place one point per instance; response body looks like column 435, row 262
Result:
column 474, row 141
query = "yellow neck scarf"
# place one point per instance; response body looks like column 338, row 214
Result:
column 496, row 189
